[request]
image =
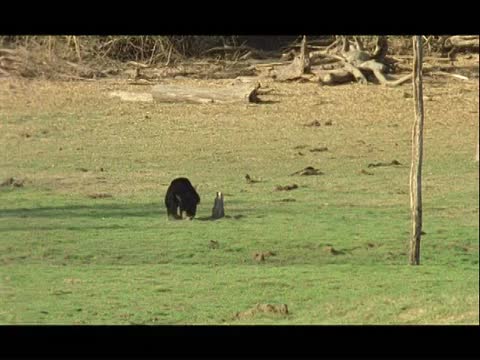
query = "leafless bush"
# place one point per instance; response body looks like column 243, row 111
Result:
column 146, row 49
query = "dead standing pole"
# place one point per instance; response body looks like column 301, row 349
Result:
column 417, row 153
column 477, row 156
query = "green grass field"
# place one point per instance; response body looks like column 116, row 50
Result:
column 340, row 241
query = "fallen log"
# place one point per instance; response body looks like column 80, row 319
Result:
column 470, row 41
column 335, row 77
column 187, row 94
column 8, row 51
column 378, row 68
column 357, row 74
column 455, row 43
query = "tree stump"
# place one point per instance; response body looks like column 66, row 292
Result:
column 218, row 207
column 299, row 66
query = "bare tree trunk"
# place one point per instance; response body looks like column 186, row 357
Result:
column 417, row 153
column 476, row 158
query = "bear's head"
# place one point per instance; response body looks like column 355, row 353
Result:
column 188, row 206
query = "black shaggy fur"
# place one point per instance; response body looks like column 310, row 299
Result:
column 181, row 196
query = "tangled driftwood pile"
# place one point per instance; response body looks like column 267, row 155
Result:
column 335, row 60
column 346, row 59
column 342, row 61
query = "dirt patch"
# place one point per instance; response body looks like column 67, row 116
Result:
column 411, row 314
column 99, row 195
column 365, row 172
column 213, row 244
column 309, row 170
column 61, row 292
column 391, row 163
column 261, row 256
column 272, row 309
column 250, row 180
column 332, row 251
column 13, row 182
column 25, row 134
column 236, row 217
column 319, row 149
column 131, row 96
column 314, row 123
column 286, row 187
column 258, row 256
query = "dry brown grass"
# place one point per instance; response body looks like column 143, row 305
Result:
column 373, row 120
column 91, row 57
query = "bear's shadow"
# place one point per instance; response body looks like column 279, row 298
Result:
column 209, row 218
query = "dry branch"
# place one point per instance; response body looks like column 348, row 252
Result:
column 355, row 64
column 8, row 51
column 357, row 74
column 377, row 69
column 444, row 73
column 277, row 63
column 359, row 63
column 4, row 72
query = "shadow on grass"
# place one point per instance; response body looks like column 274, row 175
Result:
column 154, row 211
column 14, row 228
column 228, row 217
column 95, row 210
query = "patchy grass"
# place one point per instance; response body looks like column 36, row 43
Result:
column 85, row 240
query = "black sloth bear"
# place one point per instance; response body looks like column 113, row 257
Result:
column 181, row 199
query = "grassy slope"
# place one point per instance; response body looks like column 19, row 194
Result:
column 67, row 258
